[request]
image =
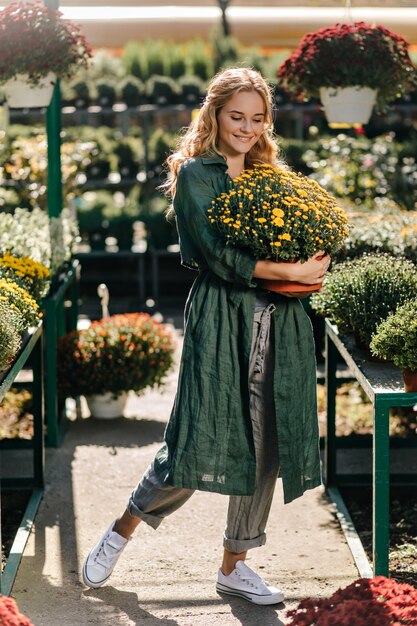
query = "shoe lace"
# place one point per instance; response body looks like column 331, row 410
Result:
column 252, row 579
column 105, row 558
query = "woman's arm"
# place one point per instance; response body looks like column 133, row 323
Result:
column 192, row 199
column 308, row 273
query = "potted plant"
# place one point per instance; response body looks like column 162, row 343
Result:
column 395, row 339
column 280, row 215
column 340, row 62
column 357, row 295
column 131, row 90
column 26, row 273
column 113, row 356
column 162, row 90
column 36, row 46
column 10, row 339
column 375, row 601
column 192, row 89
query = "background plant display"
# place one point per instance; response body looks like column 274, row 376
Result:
column 115, row 354
column 279, row 215
column 357, row 295
column 350, row 55
column 358, row 170
column 49, row 241
column 386, row 228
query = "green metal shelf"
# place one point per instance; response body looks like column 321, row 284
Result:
column 30, row 355
column 383, row 384
column 57, row 323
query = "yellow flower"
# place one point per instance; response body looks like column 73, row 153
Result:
column 262, row 220
column 286, row 236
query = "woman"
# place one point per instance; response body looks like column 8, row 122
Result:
column 245, row 409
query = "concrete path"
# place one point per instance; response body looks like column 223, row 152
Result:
column 165, row 577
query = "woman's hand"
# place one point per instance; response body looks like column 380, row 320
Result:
column 311, row 272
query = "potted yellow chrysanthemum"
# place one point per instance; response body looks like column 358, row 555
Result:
column 280, row 215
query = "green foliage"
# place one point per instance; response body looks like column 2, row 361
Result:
column 199, row 58
column 105, row 65
column 80, row 92
column 395, row 339
column 357, row 295
column 9, row 336
column 192, row 89
column 160, row 145
column 162, row 90
column 132, row 60
column 106, row 92
column 131, row 90
column 146, row 59
column 177, row 61
column 116, row 354
column 224, row 49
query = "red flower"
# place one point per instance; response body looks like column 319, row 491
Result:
column 375, row 601
column 34, row 40
column 10, row 614
column 346, row 55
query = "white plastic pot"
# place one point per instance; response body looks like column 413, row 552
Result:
column 21, row 95
column 106, row 406
column 348, row 105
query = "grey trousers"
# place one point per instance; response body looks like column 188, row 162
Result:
column 152, row 500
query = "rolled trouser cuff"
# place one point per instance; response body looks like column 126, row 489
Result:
column 241, row 545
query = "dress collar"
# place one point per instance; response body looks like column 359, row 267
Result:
column 210, row 158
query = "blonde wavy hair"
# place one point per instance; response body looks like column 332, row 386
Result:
column 201, row 136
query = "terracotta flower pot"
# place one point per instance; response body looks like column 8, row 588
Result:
column 410, row 380
column 291, row 286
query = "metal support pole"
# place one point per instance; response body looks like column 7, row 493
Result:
column 380, row 500
column 330, row 459
column 51, row 399
column 38, row 416
column 223, row 7
column 53, row 132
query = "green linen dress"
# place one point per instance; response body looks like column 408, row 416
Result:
column 208, row 440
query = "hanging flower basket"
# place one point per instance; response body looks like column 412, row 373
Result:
column 348, row 105
column 20, row 94
column 38, row 44
column 349, row 56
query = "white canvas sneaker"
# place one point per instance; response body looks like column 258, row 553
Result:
column 247, row 584
column 100, row 562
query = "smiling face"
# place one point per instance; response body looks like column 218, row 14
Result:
column 240, row 124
